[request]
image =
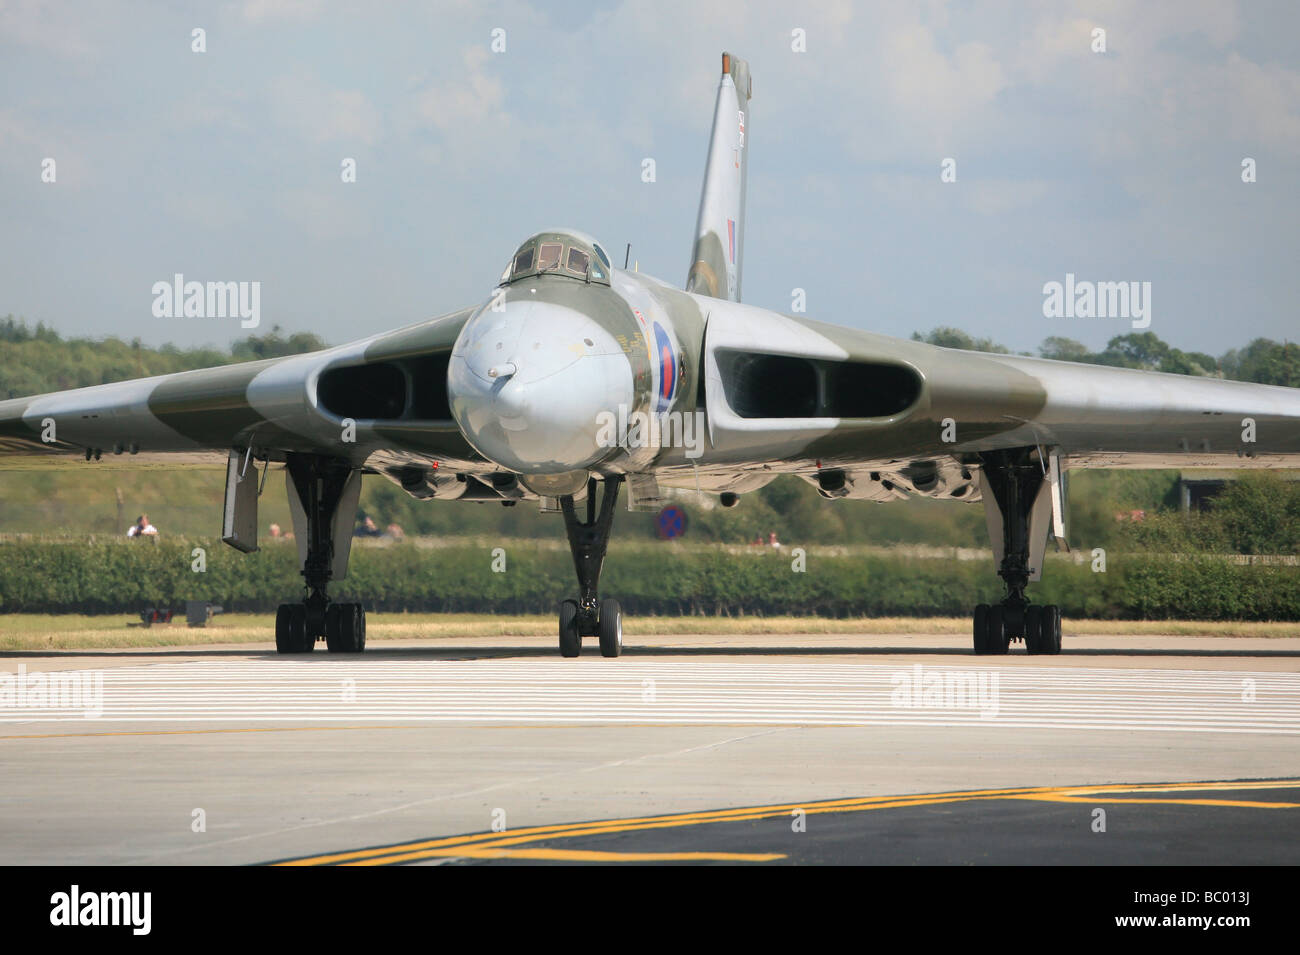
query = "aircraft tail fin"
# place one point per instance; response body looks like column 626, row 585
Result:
column 720, row 229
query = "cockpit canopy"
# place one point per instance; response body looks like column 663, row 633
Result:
column 559, row 252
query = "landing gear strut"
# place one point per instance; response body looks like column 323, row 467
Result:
column 1015, row 477
column 589, row 616
column 321, row 485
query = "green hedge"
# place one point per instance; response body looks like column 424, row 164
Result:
column 118, row 576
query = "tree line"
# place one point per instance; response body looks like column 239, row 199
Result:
column 1263, row 361
column 670, row 580
column 35, row 360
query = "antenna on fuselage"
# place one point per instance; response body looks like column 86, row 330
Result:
column 627, row 255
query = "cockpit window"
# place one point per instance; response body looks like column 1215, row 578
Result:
column 577, row 261
column 557, row 252
column 524, row 261
column 549, row 256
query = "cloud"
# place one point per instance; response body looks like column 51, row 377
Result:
column 935, row 89
column 324, row 214
column 1262, row 102
column 469, row 100
column 319, row 113
column 997, row 197
column 54, row 28
column 261, row 11
column 204, row 210
column 25, row 143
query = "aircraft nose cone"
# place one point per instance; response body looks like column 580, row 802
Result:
column 527, row 386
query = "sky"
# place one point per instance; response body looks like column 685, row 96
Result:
column 225, row 165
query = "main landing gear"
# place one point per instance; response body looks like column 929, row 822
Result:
column 324, row 487
column 1015, row 478
column 589, row 616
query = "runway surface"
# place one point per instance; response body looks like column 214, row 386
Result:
column 893, row 749
column 686, row 691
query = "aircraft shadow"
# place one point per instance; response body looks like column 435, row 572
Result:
column 385, row 651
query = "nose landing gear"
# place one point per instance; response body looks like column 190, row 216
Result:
column 589, row 616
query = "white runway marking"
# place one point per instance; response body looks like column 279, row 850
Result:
column 626, row 691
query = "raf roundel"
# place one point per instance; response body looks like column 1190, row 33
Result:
column 667, row 365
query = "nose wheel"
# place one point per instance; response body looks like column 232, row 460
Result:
column 611, row 628
column 570, row 638
column 589, row 616
column 608, row 629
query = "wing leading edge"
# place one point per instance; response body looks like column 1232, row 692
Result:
column 790, row 389
column 387, row 386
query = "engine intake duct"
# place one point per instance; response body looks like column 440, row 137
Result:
column 413, row 388
column 791, row 386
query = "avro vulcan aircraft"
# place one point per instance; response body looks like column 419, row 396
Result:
column 575, row 377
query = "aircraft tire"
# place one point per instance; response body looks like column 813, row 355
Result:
column 359, row 628
column 334, row 641
column 570, row 639
column 282, row 638
column 345, row 628
column 611, row 628
column 1051, row 643
column 1035, row 617
column 981, row 628
column 998, row 641
column 300, row 641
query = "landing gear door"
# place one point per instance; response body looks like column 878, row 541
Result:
column 297, row 514
column 341, row 521
column 993, row 518
column 344, row 520
column 1041, row 525
column 1056, row 479
column 1040, row 529
column 239, row 520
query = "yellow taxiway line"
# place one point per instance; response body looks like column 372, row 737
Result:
column 510, row 844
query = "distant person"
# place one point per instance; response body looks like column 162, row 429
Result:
column 395, row 532
column 367, row 528
column 758, row 540
column 142, row 528
column 771, row 539
column 275, row 530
